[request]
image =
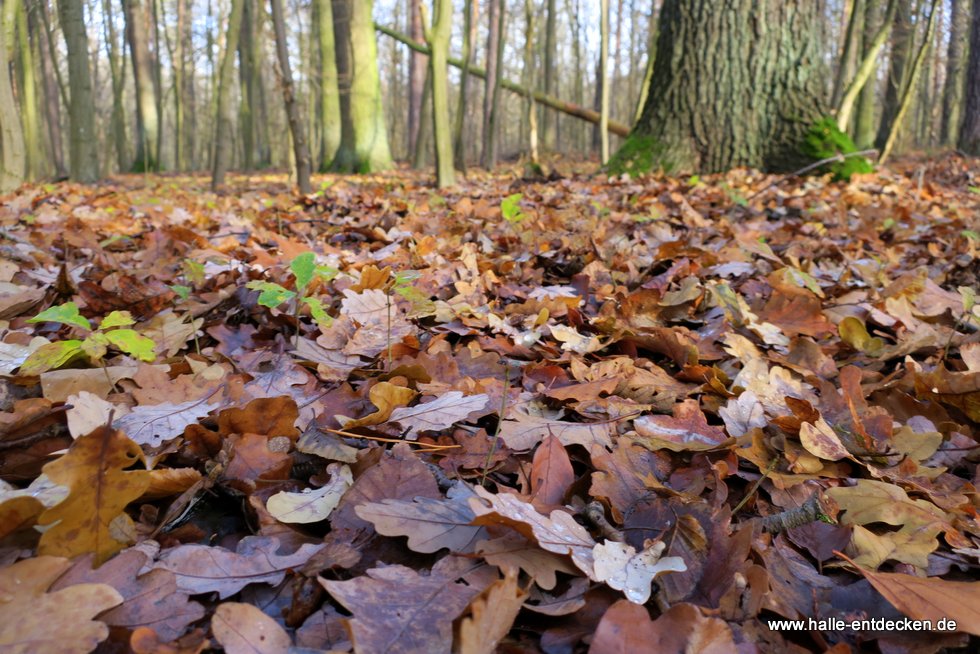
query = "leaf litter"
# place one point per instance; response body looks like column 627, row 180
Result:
column 388, row 419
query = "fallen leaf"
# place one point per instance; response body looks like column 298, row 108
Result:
column 386, row 397
column 153, row 424
column 522, row 432
column 33, row 621
column 551, row 472
column 245, row 629
column 687, row 430
column 311, row 505
column 820, row 440
column 632, row 572
column 492, row 614
column 440, row 413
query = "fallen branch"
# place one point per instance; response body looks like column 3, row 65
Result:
column 570, row 108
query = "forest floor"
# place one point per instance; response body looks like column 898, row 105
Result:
column 519, row 416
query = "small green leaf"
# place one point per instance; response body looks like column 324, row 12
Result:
column 326, row 273
column 510, row 208
column 133, row 344
column 117, row 319
column 193, row 271
column 95, row 346
column 320, row 315
column 66, row 314
column 51, row 356
column 853, row 332
column 969, row 297
column 974, row 189
column 183, row 292
column 272, row 294
column 970, row 234
column 303, row 267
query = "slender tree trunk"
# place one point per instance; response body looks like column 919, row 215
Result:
column 641, row 99
column 189, row 126
column 604, row 81
column 420, row 157
column 905, row 100
column 437, row 36
column 147, row 117
column 901, row 52
column 180, row 156
column 28, row 92
column 154, row 17
column 416, row 77
column 52, row 106
column 329, row 95
column 852, row 40
column 866, row 69
column 864, row 118
column 13, row 158
column 116, row 74
column 296, row 125
column 84, row 156
column 532, row 121
column 573, row 13
column 955, row 68
column 969, row 139
column 491, row 103
column 246, row 76
column 549, row 120
column 225, row 113
column 471, row 18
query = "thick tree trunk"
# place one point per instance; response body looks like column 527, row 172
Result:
column 955, row 68
column 246, row 76
column 329, row 95
column 296, row 125
column 224, row 114
column 437, row 36
column 364, row 139
column 13, row 158
column 147, row 117
column 969, row 140
column 83, row 155
column 27, row 88
column 738, row 83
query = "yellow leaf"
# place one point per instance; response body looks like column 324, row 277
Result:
column 386, row 396
column 94, row 470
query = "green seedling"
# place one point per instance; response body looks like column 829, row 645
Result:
column 304, row 269
column 113, row 332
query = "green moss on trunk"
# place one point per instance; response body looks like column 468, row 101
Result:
column 825, row 140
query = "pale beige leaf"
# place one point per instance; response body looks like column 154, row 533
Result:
column 245, row 629
column 632, row 572
column 313, row 504
column 493, row 614
column 440, row 413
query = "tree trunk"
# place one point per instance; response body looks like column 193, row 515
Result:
column 118, row 119
column 868, row 64
column 549, row 120
column 83, row 156
column 471, row 18
column 329, row 95
column 364, row 146
column 296, row 126
column 864, row 119
column 13, row 158
column 52, row 107
column 187, row 90
column 416, row 77
column 955, row 68
column 852, row 41
column 737, row 84
column 901, row 52
column 969, row 140
column 491, row 97
column 604, row 81
column 224, row 114
column 905, row 100
column 437, row 36
column 529, row 109
column 246, row 76
column 147, row 118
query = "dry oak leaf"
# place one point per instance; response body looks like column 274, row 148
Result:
column 493, row 614
column 632, row 572
column 245, row 629
column 440, row 413
column 204, row 569
column 395, row 609
column 687, row 430
column 430, row 524
column 626, row 628
column 153, row 424
column 384, row 395
column 99, row 488
column 269, row 416
column 929, row 598
column 522, row 432
column 33, row 621
column 512, row 551
column 819, row 439
column 742, row 414
column 551, row 472
column 312, row 505
column 149, row 600
column 558, row 533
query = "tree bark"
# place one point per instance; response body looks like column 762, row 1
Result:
column 471, row 17
column 901, row 52
column 529, row 109
column 224, row 114
column 905, row 100
column 52, row 107
column 549, row 121
column 416, row 77
column 737, row 84
column 969, row 139
column 864, row 119
column 329, row 96
column 437, row 36
column 13, row 158
column 147, row 117
column 956, row 54
column 604, row 81
column 852, row 41
column 868, row 64
column 568, row 108
column 491, row 97
column 296, row 125
column 83, row 155
column 118, row 120
column 364, row 138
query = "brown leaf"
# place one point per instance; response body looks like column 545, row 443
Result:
column 440, row 413
column 245, row 629
column 33, row 621
column 626, row 628
column 687, row 430
column 522, row 432
column 493, row 614
column 269, row 416
column 153, row 424
column 419, row 621
column 100, row 487
column 512, row 551
column 551, row 472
